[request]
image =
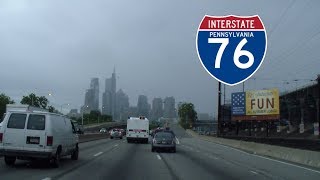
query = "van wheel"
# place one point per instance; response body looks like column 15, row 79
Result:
column 9, row 160
column 120, row 137
column 56, row 160
column 75, row 154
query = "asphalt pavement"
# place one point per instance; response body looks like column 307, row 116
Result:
column 194, row 159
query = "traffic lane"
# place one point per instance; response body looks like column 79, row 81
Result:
column 40, row 169
column 272, row 168
column 189, row 164
column 129, row 161
column 179, row 131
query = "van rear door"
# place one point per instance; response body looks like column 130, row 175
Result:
column 14, row 130
column 35, row 134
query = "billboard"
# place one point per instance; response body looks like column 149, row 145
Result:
column 238, row 103
column 260, row 104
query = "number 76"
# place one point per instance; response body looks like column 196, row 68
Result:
column 237, row 53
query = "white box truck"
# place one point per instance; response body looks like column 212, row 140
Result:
column 137, row 129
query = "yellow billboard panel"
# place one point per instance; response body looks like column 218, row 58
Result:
column 262, row 102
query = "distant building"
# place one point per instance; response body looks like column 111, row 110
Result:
column 91, row 100
column 169, row 108
column 157, row 109
column 132, row 112
column 74, row 113
column 143, row 106
column 203, row 117
column 109, row 96
column 94, row 85
column 122, row 105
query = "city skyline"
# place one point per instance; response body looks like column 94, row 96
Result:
column 117, row 103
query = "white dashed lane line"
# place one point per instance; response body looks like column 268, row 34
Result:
column 116, row 145
column 177, row 141
column 47, row 178
column 99, row 153
column 158, row 157
column 253, row 172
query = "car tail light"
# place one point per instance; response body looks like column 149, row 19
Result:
column 1, row 137
column 49, row 140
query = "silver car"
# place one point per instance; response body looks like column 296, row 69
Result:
column 116, row 133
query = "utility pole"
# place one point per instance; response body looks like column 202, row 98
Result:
column 219, row 109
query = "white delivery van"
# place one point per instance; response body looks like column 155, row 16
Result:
column 137, row 129
column 29, row 133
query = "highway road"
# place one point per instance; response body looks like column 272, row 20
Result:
column 195, row 159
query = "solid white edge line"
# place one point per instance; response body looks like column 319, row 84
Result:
column 99, row 153
column 282, row 162
column 47, row 178
column 158, row 157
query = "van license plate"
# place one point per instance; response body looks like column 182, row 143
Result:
column 33, row 140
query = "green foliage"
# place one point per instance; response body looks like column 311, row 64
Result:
column 154, row 124
column 94, row 117
column 187, row 115
column 34, row 100
column 4, row 100
column 52, row 109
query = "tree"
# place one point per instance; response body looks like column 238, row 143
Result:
column 52, row 109
column 4, row 100
column 187, row 115
column 34, row 100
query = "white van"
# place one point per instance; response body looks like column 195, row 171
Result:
column 137, row 129
column 29, row 134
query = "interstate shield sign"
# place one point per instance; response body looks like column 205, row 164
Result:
column 231, row 48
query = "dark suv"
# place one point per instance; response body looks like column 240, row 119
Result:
column 164, row 140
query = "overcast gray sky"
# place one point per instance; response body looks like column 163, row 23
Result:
column 57, row 46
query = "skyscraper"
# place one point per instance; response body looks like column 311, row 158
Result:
column 91, row 100
column 157, row 109
column 94, row 85
column 109, row 96
column 122, row 105
column 169, row 108
column 143, row 106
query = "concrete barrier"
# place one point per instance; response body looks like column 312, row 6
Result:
column 305, row 157
column 92, row 137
